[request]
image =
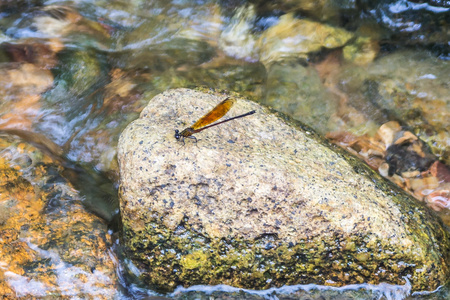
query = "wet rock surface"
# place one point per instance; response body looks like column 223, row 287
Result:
column 49, row 245
column 261, row 202
column 293, row 37
column 402, row 22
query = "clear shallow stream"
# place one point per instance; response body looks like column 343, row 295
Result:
column 75, row 73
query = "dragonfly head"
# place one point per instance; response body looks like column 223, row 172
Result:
column 177, row 134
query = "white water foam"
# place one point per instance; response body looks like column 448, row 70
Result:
column 379, row 291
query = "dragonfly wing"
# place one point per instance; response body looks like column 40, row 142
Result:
column 215, row 114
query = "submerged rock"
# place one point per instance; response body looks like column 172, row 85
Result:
column 408, row 86
column 404, row 159
column 294, row 38
column 324, row 10
column 362, row 51
column 50, row 245
column 294, row 90
column 261, row 202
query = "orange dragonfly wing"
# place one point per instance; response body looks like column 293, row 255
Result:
column 215, row 114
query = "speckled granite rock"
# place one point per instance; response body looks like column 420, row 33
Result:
column 262, row 201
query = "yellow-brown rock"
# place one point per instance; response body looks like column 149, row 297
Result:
column 50, row 246
column 295, row 38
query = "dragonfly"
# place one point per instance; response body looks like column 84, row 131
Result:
column 204, row 122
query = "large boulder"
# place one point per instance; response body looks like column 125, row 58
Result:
column 263, row 201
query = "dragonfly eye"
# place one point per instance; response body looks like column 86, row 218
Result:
column 177, row 134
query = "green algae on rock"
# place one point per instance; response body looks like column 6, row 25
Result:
column 362, row 51
column 263, row 202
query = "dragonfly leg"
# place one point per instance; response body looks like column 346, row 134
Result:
column 189, row 137
column 192, row 137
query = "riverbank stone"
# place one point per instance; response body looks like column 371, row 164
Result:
column 263, row 201
column 50, row 246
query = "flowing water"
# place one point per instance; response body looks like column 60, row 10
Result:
column 75, row 73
